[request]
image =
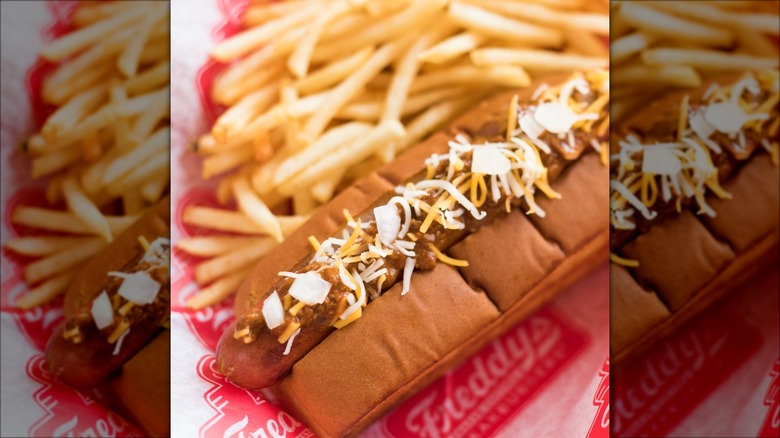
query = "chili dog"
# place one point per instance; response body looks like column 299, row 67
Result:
column 702, row 215
column 118, row 302
column 373, row 237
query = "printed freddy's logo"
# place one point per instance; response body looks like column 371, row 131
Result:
column 657, row 390
column 69, row 413
column 479, row 396
column 241, row 413
column 600, row 426
column 771, row 425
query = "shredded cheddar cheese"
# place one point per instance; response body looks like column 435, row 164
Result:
column 447, row 259
column 616, row 259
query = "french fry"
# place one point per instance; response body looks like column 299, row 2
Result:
column 324, row 189
column 153, row 168
column 218, row 290
column 225, row 161
column 536, row 60
column 347, row 89
column 150, row 119
column 707, row 59
column 46, row 245
column 332, row 73
column 298, row 62
column 131, row 55
column 327, row 143
column 210, row 246
column 87, row 14
column 673, row 75
column 661, row 23
column 453, row 47
column 271, row 119
column 153, row 189
column 59, row 262
column 304, row 203
column 760, row 22
column 138, row 105
column 73, row 42
column 52, row 162
column 220, row 220
column 698, row 11
column 255, row 209
column 45, row 292
column 84, row 209
column 372, row 110
column 385, row 133
column 629, row 45
column 502, row 76
column 81, row 84
column 755, row 43
column 592, row 23
column 584, row 43
column 407, row 68
column 432, row 119
column 230, row 262
column 149, row 79
column 131, row 161
column 388, row 29
column 238, row 116
column 494, row 25
column 227, row 94
column 67, row 116
column 245, row 42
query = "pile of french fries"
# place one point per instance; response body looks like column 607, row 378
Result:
column 107, row 141
column 662, row 44
column 321, row 92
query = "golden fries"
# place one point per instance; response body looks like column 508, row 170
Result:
column 107, row 140
column 322, row 92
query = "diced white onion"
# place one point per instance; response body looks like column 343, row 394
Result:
column 310, row 288
column 388, row 223
column 139, row 288
column 530, row 126
column 660, row 160
column 273, row 311
column 102, row 312
column 489, row 161
column 728, row 117
column 700, row 126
